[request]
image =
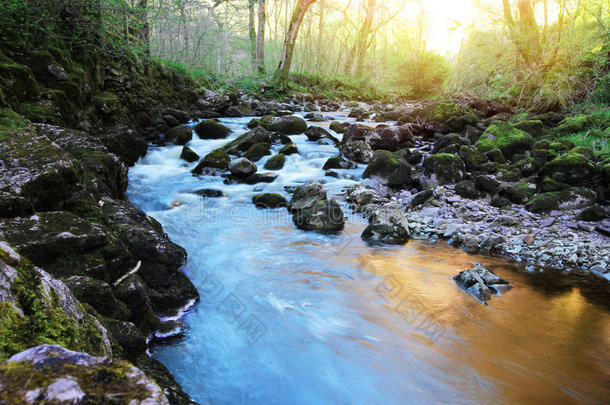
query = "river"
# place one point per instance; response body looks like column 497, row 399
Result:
column 289, row 316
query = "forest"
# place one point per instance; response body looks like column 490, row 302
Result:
column 304, row 201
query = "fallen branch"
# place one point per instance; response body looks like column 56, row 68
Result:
column 135, row 269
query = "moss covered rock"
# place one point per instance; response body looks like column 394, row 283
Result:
column 572, row 125
column 389, row 167
column 571, row 168
column 444, row 168
column 218, row 159
column 210, row 129
column 269, row 200
column 473, row 158
column 244, row 142
column 57, row 375
column 507, row 138
column 257, row 151
column 532, row 127
column 276, row 162
column 289, row 149
column 179, row 135
column 565, row 199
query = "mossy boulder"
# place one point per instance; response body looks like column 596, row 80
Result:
column 57, row 375
column 288, row 125
column 506, row 137
column 337, row 126
column 532, row 127
column 276, row 162
column 189, row 155
column 389, row 167
column 257, row 151
column 445, row 168
column 338, row 162
column 585, row 151
column 467, row 189
column 289, row 149
column 244, row 142
column 565, row 199
column 269, row 200
column 98, row 294
column 179, row 135
column 575, row 124
column 218, row 159
column 210, row 129
column 571, row 168
column 495, row 155
column 260, row 122
column 472, row 157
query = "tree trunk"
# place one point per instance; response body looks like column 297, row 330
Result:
column 291, row 36
column 252, row 35
column 363, row 42
column 260, row 38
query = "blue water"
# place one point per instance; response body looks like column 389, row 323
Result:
column 288, row 316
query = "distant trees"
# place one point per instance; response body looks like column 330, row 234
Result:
column 290, row 38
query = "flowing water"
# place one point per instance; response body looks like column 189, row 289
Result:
column 294, row 317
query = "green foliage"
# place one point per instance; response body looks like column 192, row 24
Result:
column 423, row 74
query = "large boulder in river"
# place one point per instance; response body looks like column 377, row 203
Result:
column 314, row 133
column 507, row 138
column 242, row 167
column 210, row 129
column 55, row 375
column 244, row 142
column 387, row 224
column 445, row 168
column 179, row 135
column 306, row 196
column 358, row 151
column 189, row 155
column 216, row 159
column 288, row 125
column 479, row 282
column 390, row 167
column 323, row 216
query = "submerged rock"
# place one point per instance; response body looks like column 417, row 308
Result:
column 479, row 282
column 269, row 200
column 242, row 167
column 389, row 225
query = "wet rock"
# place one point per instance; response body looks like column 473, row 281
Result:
column 360, row 195
column 358, row 151
column 98, row 294
column 210, row 129
column 257, row 151
column 390, row 167
column 209, row 193
column 479, row 282
column 259, row 178
column 391, row 138
column 47, row 237
column 181, row 116
column 276, row 162
column 242, row 168
column 128, row 337
column 218, row 159
column 316, row 133
column 490, row 243
column 421, row 198
column 170, row 120
column 306, row 196
column 179, row 135
column 337, row 127
column 444, row 167
column 289, row 149
column 244, row 142
column 269, row 200
column 338, row 162
column 288, row 125
column 387, row 224
column 58, row 375
column 359, row 132
column 466, row 189
column 323, row 216
column 189, row 155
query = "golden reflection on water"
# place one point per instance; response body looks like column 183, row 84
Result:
column 531, row 346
